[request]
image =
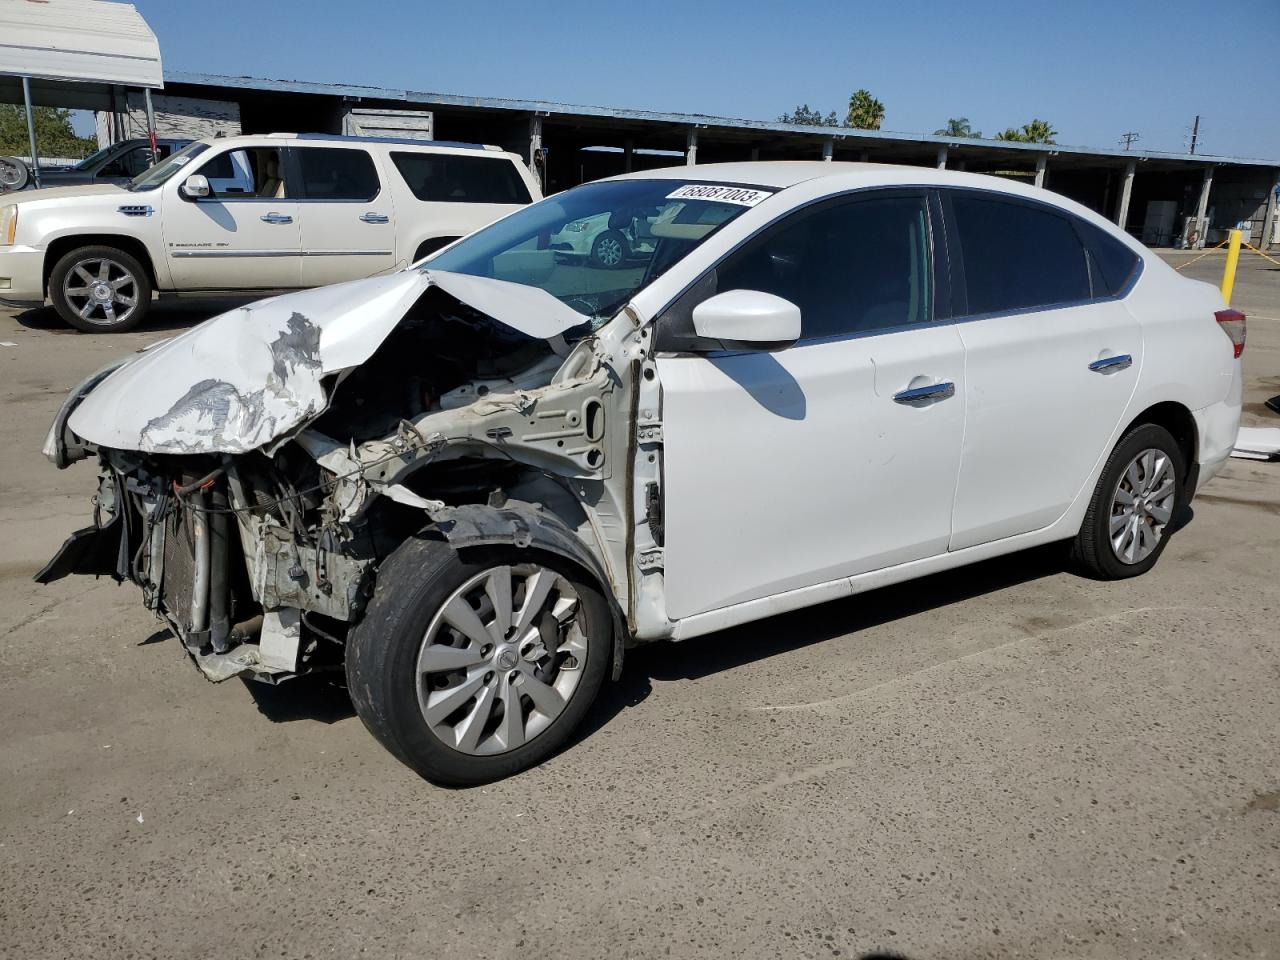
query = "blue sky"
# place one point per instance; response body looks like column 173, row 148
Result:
column 1093, row 69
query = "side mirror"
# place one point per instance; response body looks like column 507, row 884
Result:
column 195, row 187
column 748, row 320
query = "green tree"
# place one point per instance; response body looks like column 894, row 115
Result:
column 865, row 111
column 54, row 136
column 958, row 127
column 1037, row 131
column 811, row 118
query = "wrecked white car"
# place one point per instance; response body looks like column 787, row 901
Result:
column 471, row 485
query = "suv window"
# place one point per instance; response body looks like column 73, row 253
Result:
column 128, row 164
column 449, row 178
column 853, row 266
column 337, row 173
column 250, row 172
column 1111, row 263
column 1018, row 256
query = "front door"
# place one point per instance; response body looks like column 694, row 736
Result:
column 243, row 237
column 830, row 458
column 1052, row 361
column 348, row 228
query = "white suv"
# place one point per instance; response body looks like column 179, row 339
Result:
column 253, row 213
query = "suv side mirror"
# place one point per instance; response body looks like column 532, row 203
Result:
column 748, row 320
column 195, row 187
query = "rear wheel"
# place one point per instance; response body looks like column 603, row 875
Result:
column 100, row 290
column 473, row 670
column 1138, row 495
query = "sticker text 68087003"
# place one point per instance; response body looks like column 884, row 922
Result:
column 745, row 196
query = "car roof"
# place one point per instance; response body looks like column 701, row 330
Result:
column 780, row 174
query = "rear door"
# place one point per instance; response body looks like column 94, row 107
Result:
column 242, row 237
column 1052, row 359
column 348, row 221
column 806, row 465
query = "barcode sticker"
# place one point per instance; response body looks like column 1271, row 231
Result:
column 716, row 193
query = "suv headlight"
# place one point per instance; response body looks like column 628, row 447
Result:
column 8, row 223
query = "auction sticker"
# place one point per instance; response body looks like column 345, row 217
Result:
column 743, row 196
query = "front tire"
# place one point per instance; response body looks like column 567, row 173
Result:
column 1129, row 520
column 609, row 250
column 100, row 289
column 473, row 670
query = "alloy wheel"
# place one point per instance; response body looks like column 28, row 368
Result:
column 1142, row 505
column 101, row 291
column 609, row 251
column 501, row 659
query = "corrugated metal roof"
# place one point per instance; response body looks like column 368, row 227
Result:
column 711, row 123
column 83, row 40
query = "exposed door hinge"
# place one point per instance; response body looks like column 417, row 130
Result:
column 653, row 511
column 649, row 431
column 650, row 559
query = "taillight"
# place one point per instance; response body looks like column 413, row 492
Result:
column 1231, row 322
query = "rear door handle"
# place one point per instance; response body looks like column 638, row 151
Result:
column 276, row 218
column 930, row 391
column 375, row 218
column 1112, row 364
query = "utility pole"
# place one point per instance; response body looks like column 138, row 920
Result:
column 1195, row 133
column 1128, row 138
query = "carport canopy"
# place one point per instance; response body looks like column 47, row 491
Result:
column 80, row 43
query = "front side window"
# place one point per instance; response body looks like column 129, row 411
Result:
column 337, row 173
column 1018, row 256
column 450, row 178
column 654, row 224
column 247, row 173
column 852, row 266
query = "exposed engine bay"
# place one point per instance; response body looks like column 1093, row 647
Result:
column 455, row 426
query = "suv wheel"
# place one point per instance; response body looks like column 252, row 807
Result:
column 100, row 290
column 473, row 670
column 1137, row 498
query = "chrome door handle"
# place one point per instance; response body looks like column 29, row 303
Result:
column 375, row 218
column 1108, row 364
column 276, row 218
column 930, row 391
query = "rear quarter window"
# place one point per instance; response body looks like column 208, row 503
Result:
column 1018, row 256
column 1111, row 263
column 448, row 178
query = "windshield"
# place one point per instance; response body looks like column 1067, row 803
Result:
column 93, row 158
column 594, row 246
column 152, row 177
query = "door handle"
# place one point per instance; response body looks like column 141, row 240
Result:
column 930, row 391
column 375, row 218
column 276, row 218
column 1112, row 364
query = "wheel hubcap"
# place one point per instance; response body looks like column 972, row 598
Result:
column 610, row 252
column 1142, row 506
column 101, row 291
column 501, row 659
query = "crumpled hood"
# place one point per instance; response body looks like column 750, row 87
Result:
column 249, row 376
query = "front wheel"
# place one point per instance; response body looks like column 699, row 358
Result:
column 473, row 670
column 1140, row 492
column 100, row 290
column 609, row 250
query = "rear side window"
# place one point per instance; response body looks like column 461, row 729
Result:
column 448, row 178
column 337, row 173
column 1018, row 256
column 1111, row 263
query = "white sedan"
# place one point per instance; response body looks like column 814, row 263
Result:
column 474, row 483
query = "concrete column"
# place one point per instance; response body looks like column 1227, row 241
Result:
column 1202, row 208
column 755, row 153
column 1126, row 187
column 535, row 140
column 1042, row 164
column 31, row 130
column 1269, row 215
column 627, row 150
column 864, row 157
column 828, row 148
column 691, row 147
column 942, row 158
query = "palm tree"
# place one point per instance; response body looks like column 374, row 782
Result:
column 958, row 127
column 865, row 111
column 1037, row 131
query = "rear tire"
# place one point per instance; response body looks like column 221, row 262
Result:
column 407, row 659
column 1130, row 517
column 100, row 289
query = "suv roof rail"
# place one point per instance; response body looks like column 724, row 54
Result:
column 414, row 142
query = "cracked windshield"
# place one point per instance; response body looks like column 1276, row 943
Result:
column 595, row 246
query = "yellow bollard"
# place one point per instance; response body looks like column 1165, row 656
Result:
column 1229, row 271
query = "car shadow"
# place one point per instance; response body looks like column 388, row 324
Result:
column 316, row 696
column 667, row 661
column 168, row 314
